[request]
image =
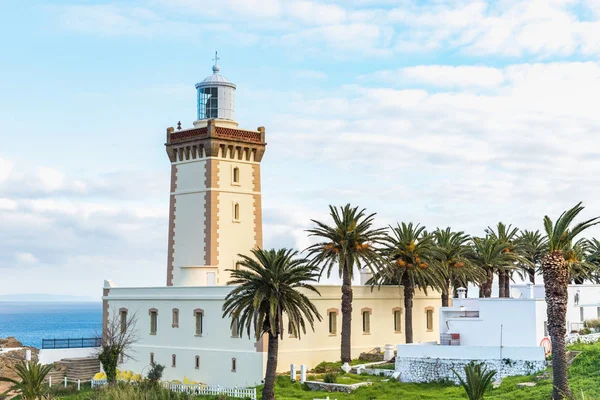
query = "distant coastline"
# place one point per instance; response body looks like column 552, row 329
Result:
column 43, row 297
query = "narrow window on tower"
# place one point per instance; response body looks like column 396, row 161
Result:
column 197, row 362
column 236, row 175
column 151, row 358
column 233, row 365
column 236, row 212
column 173, row 361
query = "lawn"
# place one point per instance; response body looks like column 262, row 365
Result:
column 584, row 378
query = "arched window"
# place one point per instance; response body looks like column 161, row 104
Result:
column 199, row 317
column 236, row 175
column 123, row 319
column 175, row 318
column 236, row 211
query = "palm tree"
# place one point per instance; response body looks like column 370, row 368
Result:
column 409, row 253
column 270, row 286
column 531, row 245
column 349, row 243
column 452, row 254
column 478, row 380
column 31, row 375
column 556, row 280
column 507, row 235
column 488, row 254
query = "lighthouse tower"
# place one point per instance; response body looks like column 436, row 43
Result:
column 215, row 204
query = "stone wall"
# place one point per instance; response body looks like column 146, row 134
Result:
column 591, row 338
column 438, row 369
column 334, row 387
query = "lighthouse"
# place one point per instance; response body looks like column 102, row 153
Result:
column 215, row 209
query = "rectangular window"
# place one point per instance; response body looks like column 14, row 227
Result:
column 236, row 212
column 123, row 316
column 581, row 314
column 197, row 365
column 175, row 318
column 332, row 323
column 429, row 320
column 545, row 328
column 598, row 312
column 233, row 365
column 199, row 322
column 153, row 322
column 151, row 358
column 236, row 175
column 366, row 321
column 397, row 321
column 173, row 361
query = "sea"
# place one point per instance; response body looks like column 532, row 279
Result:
column 30, row 322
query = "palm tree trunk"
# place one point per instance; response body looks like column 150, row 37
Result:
column 486, row 287
column 507, row 284
column 556, row 280
column 409, row 292
column 273, row 347
column 501, row 279
column 446, row 293
column 346, row 316
column 531, row 275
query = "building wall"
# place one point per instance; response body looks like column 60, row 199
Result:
column 206, row 236
column 216, row 347
column 49, row 356
column 315, row 347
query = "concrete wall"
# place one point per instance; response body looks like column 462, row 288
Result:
column 519, row 321
column 49, row 356
column 430, row 363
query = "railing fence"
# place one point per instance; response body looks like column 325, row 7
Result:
column 71, row 343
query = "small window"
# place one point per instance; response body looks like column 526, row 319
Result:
column 233, row 365
column 151, row 358
column 236, row 175
column 332, row 322
column 236, row 212
column 581, row 314
column 234, row 328
column 173, row 361
column 197, row 365
column 292, row 330
column 545, row 328
column 429, row 314
column 121, row 358
column 366, row 321
column 175, row 318
column 123, row 318
column 397, row 321
column 199, row 318
column 153, row 321
column 598, row 312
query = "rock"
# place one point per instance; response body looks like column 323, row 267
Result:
column 10, row 342
column 9, row 359
column 526, row 384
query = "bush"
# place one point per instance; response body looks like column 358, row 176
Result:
column 478, row 380
column 124, row 391
column 330, row 377
column 592, row 323
column 327, row 367
column 156, row 372
column 585, row 331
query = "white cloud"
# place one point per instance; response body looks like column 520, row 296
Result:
column 309, row 74
column 50, row 178
column 6, row 168
column 7, row 204
column 26, row 258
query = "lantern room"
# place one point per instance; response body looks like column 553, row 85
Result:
column 215, row 96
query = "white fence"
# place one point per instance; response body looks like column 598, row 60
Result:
column 200, row 389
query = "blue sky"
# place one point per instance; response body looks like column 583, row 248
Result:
column 441, row 112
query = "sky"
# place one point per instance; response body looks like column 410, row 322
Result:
column 446, row 113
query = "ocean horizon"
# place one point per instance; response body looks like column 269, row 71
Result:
column 31, row 321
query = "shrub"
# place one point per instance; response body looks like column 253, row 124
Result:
column 156, row 372
column 327, row 367
column 478, row 380
column 330, row 377
column 31, row 377
column 592, row 323
column 585, row 331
